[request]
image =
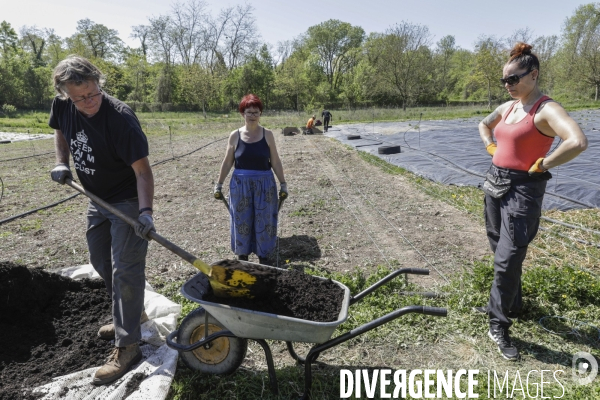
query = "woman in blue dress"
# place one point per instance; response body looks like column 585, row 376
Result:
column 253, row 199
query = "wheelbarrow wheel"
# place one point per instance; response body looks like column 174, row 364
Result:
column 221, row 356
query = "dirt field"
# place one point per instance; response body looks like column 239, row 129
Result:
column 342, row 214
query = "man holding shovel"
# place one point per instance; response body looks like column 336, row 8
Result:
column 110, row 155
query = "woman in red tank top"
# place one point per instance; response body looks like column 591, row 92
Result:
column 524, row 130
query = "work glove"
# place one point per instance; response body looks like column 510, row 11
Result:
column 60, row 173
column 491, row 148
column 283, row 192
column 537, row 168
column 146, row 224
column 217, row 192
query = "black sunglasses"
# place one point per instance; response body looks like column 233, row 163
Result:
column 513, row 79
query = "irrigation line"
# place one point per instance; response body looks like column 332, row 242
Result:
column 383, row 216
column 1, row 193
column 554, row 221
column 36, row 155
column 585, row 242
column 75, row 195
column 385, row 258
column 38, row 209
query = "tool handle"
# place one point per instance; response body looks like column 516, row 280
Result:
column 152, row 234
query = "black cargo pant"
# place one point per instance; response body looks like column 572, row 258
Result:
column 511, row 223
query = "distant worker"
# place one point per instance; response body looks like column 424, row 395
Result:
column 327, row 116
column 110, row 155
column 516, row 181
column 310, row 125
column 253, row 200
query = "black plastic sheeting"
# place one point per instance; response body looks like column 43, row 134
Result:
column 451, row 152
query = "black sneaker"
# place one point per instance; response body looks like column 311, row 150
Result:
column 500, row 336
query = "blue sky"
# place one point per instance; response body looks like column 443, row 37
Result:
column 280, row 20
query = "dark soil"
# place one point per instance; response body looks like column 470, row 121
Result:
column 133, row 384
column 297, row 295
column 48, row 326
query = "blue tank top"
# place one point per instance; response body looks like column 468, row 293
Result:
column 255, row 156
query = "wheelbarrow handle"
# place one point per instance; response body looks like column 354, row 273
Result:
column 417, row 271
column 435, row 311
column 376, row 285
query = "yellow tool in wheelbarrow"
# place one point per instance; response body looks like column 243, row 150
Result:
column 228, row 278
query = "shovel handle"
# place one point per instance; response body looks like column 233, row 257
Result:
column 152, row 234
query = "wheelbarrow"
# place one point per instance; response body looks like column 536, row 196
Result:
column 214, row 337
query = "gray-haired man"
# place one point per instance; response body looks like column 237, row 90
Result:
column 110, row 155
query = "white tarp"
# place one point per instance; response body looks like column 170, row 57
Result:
column 156, row 370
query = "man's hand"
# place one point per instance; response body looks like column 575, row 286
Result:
column 60, row 173
column 217, row 191
column 283, row 192
column 537, row 168
column 146, row 224
column 491, row 148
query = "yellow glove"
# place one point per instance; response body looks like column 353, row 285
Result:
column 491, row 148
column 537, row 168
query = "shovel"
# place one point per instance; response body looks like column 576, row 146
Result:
column 227, row 278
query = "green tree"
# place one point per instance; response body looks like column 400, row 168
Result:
column 580, row 55
column 94, row 40
column 291, row 82
column 8, row 39
column 403, row 62
column 254, row 76
column 443, row 56
column 198, row 86
column 488, row 63
column 336, row 43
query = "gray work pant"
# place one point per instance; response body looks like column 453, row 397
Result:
column 511, row 223
column 119, row 257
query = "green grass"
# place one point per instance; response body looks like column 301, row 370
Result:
column 36, row 121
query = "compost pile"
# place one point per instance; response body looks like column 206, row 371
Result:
column 48, row 326
column 296, row 295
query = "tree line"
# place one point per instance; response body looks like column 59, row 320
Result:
column 190, row 59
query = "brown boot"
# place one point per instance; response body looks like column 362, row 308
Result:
column 121, row 359
column 107, row 332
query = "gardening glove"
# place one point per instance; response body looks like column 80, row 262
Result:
column 491, row 148
column 217, row 192
column 283, row 192
column 537, row 168
column 146, row 224
column 60, row 173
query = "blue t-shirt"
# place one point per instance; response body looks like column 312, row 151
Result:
column 103, row 146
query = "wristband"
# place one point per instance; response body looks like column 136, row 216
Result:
column 145, row 209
